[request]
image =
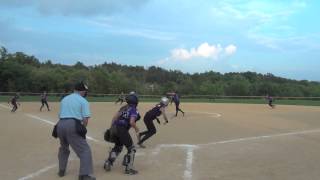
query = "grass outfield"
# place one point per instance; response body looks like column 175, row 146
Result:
column 194, row 100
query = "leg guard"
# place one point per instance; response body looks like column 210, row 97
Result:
column 128, row 159
column 113, row 154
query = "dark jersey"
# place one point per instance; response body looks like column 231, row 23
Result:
column 176, row 98
column 154, row 112
column 44, row 97
column 125, row 116
column 14, row 99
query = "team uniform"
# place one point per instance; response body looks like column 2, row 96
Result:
column 176, row 100
column 14, row 102
column 121, row 137
column 270, row 101
column 151, row 115
column 120, row 99
column 44, row 101
column 71, row 130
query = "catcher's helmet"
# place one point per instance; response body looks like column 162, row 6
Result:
column 164, row 101
column 132, row 99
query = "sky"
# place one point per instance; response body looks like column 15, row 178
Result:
column 264, row 36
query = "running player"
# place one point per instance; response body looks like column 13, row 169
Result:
column 123, row 120
column 44, row 100
column 170, row 97
column 176, row 100
column 121, row 98
column 148, row 120
column 14, row 102
column 270, row 101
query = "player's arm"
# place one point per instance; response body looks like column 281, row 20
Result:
column 85, row 110
column 85, row 121
column 134, row 125
column 163, row 111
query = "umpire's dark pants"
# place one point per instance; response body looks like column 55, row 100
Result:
column 67, row 134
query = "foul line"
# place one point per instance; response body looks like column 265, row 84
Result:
column 213, row 114
column 43, row 170
column 53, row 123
column 40, row 119
column 4, row 106
column 261, row 137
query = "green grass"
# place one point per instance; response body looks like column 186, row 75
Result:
column 195, row 100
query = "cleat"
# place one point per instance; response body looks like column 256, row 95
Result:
column 142, row 146
column 86, row 177
column 61, row 173
column 107, row 166
column 131, row 171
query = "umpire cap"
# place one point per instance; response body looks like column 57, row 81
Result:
column 81, row 86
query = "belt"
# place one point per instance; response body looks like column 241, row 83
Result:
column 70, row 118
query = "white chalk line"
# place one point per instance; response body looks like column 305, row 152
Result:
column 38, row 173
column 53, row 123
column 261, row 137
column 213, row 114
column 41, row 171
column 4, row 106
column 40, row 119
column 188, row 171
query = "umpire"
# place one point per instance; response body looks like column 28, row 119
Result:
column 71, row 129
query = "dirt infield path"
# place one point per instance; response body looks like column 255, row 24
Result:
column 212, row 141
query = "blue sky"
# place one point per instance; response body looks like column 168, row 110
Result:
column 272, row 36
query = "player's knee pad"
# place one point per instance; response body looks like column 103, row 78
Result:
column 114, row 153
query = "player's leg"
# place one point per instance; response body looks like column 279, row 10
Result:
column 151, row 130
column 128, row 159
column 15, row 107
column 42, row 104
column 46, row 103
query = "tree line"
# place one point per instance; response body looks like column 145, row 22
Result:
column 20, row 72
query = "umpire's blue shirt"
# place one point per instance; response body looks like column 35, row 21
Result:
column 74, row 106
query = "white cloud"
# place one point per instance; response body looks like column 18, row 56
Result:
column 231, row 49
column 204, row 50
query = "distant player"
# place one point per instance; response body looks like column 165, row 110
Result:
column 148, row 120
column 176, row 100
column 270, row 101
column 170, row 97
column 64, row 94
column 44, row 100
column 121, row 98
column 14, row 102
